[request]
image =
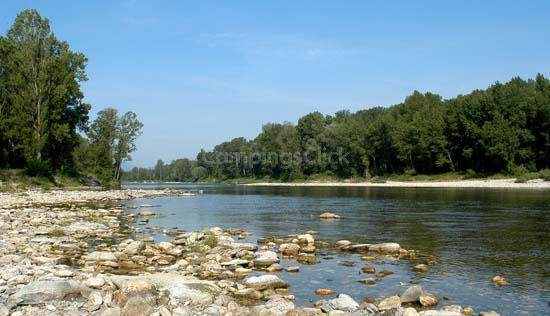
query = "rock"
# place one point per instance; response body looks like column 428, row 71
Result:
column 328, row 215
column 390, row 303
column 421, row 268
column 305, row 312
column 134, row 248
column 138, row 306
column 343, row 243
column 307, row 258
column 275, row 268
column 39, row 292
column 289, row 249
column 265, row 258
column 102, row 256
column 293, row 269
column 250, row 294
column 306, row 239
column 147, row 213
column 369, row 270
column 279, row 306
column 412, row 294
column 342, row 303
column 409, row 311
column 181, row 288
column 468, row 310
column 491, row 313
column 439, row 313
column 500, row 281
column 428, row 300
column 264, row 282
column 4, row 311
column 95, row 300
column 388, row 247
column 324, row 292
column 112, row 311
column 95, row 283
column 368, row 281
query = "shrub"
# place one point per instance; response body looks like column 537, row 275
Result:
column 36, row 168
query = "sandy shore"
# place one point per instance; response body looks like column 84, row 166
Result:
column 487, row 183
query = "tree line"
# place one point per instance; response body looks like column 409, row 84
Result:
column 44, row 121
column 504, row 128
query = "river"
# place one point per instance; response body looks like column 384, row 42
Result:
column 469, row 236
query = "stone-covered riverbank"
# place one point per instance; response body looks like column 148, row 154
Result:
column 73, row 253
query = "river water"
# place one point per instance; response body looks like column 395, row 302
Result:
column 471, row 234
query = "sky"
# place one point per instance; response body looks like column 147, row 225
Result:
column 198, row 73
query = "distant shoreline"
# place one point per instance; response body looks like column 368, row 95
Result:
column 486, row 183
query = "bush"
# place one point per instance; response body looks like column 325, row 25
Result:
column 36, row 168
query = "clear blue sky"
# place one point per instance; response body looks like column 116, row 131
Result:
column 201, row 72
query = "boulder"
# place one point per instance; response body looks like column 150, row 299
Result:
column 342, row 303
column 409, row 311
column 264, row 282
column 412, row 294
column 40, row 292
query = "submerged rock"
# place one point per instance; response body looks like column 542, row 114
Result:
column 328, row 215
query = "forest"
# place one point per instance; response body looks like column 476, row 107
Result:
column 504, row 128
column 44, row 121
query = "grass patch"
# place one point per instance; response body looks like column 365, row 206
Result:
column 528, row 176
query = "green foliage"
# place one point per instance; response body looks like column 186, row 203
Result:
column 36, row 168
column 504, row 129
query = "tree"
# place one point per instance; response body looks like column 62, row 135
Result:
column 44, row 96
column 128, row 129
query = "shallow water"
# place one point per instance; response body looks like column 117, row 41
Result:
column 473, row 234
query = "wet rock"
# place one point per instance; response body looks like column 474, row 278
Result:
column 346, row 263
column 500, row 281
column 491, row 313
column 275, row 268
column 370, row 270
column 265, row 282
column 342, row 303
column 390, row 303
column 306, row 239
column 468, row 310
column 293, row 269
column 412, row 294
column 307, row 258
column 368, row 281
column 328, row 215
column 265, row 258
column 324, row 292
column 421, row 268
column 343, row 243
column 39, row 292
column 389, row 247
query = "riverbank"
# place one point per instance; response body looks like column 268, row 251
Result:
column 486, row 183
column 77, row 252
